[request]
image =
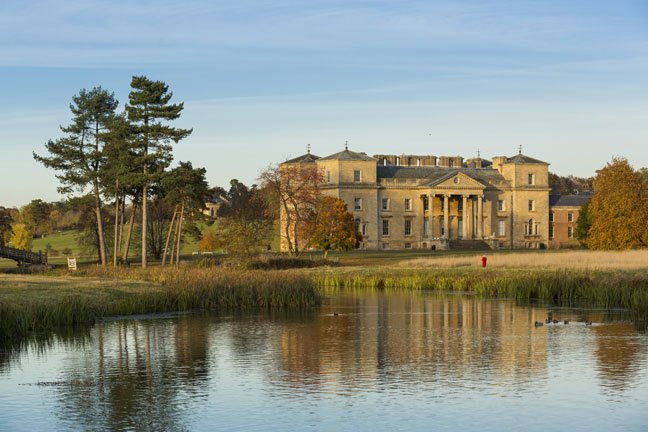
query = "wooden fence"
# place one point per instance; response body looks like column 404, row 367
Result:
column 23, row 256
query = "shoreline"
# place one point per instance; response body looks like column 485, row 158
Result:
column 30, row 303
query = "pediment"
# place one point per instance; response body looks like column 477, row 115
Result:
column 457, row 181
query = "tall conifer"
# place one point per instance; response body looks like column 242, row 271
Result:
column 80, row 155
column 148, row 108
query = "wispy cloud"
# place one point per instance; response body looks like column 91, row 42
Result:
column 165, row 32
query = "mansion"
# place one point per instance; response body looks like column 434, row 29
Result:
column 446, row 202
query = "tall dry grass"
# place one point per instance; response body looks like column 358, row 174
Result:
column 165, row 290
column 572, row 260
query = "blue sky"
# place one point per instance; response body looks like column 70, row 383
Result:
column 567, row 80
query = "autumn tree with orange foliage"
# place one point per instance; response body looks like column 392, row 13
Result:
column 334, row 228
column 295, row 187
column 618, row 208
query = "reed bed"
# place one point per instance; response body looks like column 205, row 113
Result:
column 583, row 259
column 97, row 293
column 623, row 289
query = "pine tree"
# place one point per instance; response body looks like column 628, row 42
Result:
column 79, row 157
column 148, row 107
column 187, row 188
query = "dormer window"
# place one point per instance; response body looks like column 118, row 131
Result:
column 356, row 176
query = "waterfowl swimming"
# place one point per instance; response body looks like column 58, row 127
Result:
column 555, row 321
column 566, row 322
column 335, row 314
column 547, row 321
column 588, row 322
column 538, row 324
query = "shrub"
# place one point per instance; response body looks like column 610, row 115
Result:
column 284, row 263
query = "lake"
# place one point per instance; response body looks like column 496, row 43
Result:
column 362, row 361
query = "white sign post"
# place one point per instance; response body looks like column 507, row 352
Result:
column 72, row 264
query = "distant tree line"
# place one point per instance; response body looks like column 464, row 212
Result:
column 569, row 185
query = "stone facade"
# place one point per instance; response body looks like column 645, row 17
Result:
column 429, row 202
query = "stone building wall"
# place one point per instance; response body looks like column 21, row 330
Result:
column 501, row 189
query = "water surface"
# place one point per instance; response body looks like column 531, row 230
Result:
column 386, row 361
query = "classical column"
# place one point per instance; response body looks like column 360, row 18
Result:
column 431, row 216
column 480, row 217
column 446, row 216
column 464, row 222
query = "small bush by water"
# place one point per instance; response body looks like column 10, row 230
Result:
column 283, row 263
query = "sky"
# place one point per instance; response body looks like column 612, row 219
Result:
column 260, row 80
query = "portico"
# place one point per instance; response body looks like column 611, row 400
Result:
column 418, row 202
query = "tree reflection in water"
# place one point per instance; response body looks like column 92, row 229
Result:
column 190, row 371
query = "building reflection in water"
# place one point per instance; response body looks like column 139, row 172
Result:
column 162, row 374
column 443, row 343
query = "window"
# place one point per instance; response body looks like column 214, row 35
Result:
column 397, row 161
column 460, row 230
column 364, row 229
column 570, row 232
column 451, row 163
column 551, row 217
column 500, row 205
column 442, row 225
column 385, row 203
column 426, row 203
column 426, row 227
column 570, row 217
column 357, row 203
column 408, row 204
column 531, row 179
column 385, row 227
column 358, row 227
column 328, row 176
column 408, row 245
column 408, row 227
column 460, row 206
column 550, row 232
column 356, row 176
column 531, row 205
column 501, row 228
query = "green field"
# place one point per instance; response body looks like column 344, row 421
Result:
column 68, row 239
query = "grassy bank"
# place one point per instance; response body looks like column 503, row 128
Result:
column 607, row 279
column 36, row 303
